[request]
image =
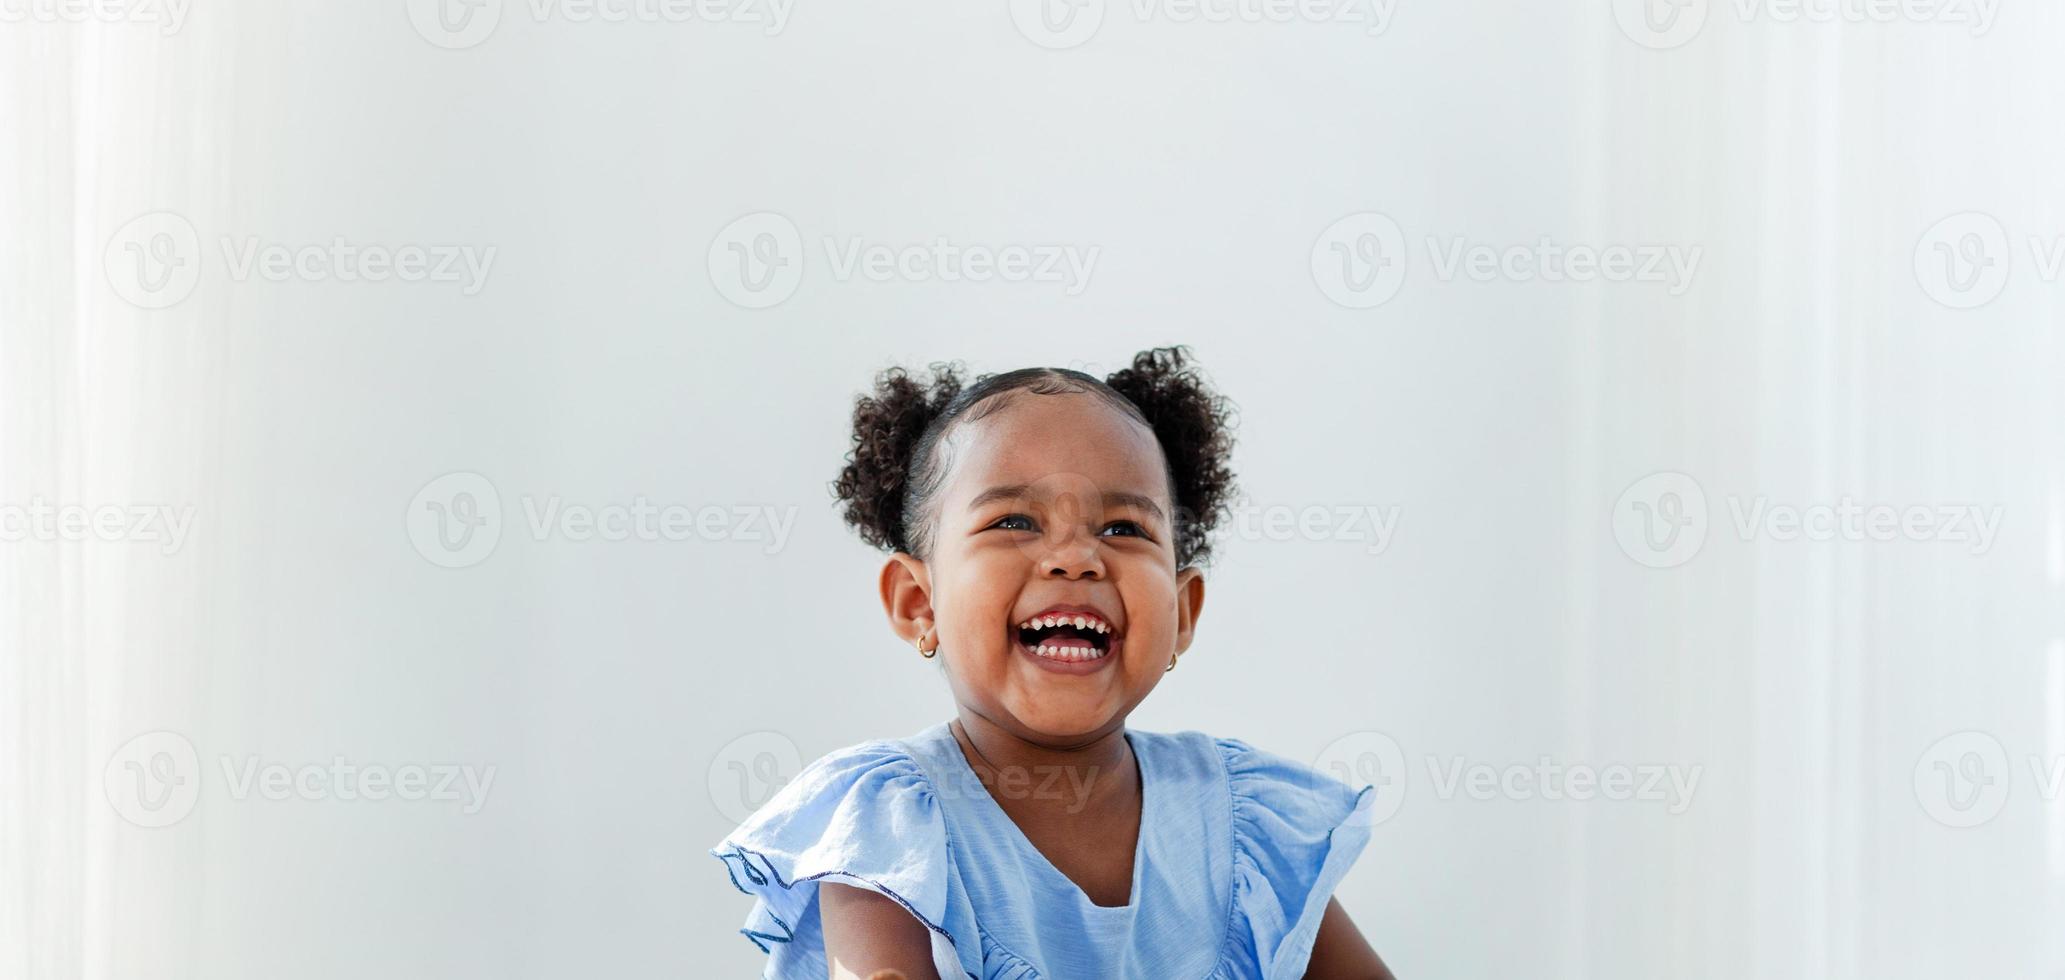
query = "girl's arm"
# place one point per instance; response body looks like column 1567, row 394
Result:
column 1340, row 953
column 867, row 931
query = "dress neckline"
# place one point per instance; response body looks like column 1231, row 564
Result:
column 994, row 812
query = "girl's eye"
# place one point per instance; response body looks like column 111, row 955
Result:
column 1014, row 522
column 1125, row 528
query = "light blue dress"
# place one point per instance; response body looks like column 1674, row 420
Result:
column 1239, row 851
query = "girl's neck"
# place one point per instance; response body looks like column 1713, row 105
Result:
column 992, row 752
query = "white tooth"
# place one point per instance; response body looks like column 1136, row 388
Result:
column 1080, row 622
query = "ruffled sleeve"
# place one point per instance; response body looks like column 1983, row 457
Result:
column 1296, row 831
column 864, row 816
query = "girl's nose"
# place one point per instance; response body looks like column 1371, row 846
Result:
column 1076, row 556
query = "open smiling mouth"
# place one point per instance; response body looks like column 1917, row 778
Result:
column 1067, row 637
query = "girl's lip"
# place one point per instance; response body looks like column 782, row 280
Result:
column 1074, row 667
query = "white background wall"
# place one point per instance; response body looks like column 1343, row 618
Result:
column 1816, row 356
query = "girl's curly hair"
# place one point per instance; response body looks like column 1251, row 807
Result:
column 899, row 430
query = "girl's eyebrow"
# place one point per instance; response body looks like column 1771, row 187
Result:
column 1112, row 498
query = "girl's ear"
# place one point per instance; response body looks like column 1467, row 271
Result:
column 1190, row 601
column 907, row 596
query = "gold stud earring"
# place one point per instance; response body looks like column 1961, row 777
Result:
column 922, row 652
column 1172, row 664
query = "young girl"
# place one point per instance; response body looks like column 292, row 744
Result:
column 1045, row 531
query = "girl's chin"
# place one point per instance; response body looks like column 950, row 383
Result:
column 1061, row 716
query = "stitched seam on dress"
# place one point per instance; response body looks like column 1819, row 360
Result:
column 1233, row 857
column 753, row 875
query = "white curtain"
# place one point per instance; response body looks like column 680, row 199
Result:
column 1845, row 703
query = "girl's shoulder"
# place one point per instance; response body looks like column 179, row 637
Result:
column 1253, row 776
column 853, row 798
column 1293, row 831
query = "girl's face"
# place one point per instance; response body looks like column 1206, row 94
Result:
column 1055, row 506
